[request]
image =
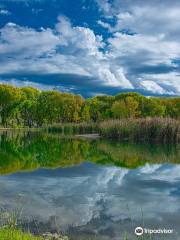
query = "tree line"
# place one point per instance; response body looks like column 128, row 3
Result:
column 30, row 107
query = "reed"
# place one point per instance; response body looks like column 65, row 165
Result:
column 160, row 130
column 73, row 128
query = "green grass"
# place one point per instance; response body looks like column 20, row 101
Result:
column 14, row 234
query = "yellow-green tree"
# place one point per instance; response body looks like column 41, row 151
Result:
column 10, row 98
column 119, row 109
column 28, row 106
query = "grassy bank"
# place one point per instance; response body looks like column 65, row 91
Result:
column 14, row 234
column 160, row 130
column 156, row 130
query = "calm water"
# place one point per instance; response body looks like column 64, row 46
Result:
column 89, row 189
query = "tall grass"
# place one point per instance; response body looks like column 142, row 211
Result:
column 73, row 128
column 163, row 130
column 14, row 234
column 160, row 130
column 11, row 229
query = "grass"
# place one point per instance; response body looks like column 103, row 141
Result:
column 8, row 231
column 160, row 130
column 73, row 128
column 14, row 234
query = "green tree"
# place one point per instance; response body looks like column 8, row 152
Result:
column 28, row 105
column 71, row 108
column 133, row 102
column 172, row 107
column 132, row 106
column 94, row 106
column 48, row 107
column 153, row 108
column 10, row 98
column 119, row 109
column 85, row 113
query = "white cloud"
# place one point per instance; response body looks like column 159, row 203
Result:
column 69, row 49
column 169, row 81
column 4, row 12
column 27, row 42
column 35, row 51
column 150, row 50
column 141, row 51
column 80, row 38
column 150, row 40
column 150, row 20
column 65, row 49
column 104, row 24
column 115, row 78
column 152, row 87
column 104, row 5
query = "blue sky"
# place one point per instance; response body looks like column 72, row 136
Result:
column 91, row 47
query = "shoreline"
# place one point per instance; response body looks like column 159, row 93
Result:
column 152, row 130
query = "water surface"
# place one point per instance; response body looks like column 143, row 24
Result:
column 89, row 189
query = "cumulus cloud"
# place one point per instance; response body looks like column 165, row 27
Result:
column 64, row 49
column 24, row 49
column 26, row 42
column 79, row 38
column 156, row 50
column 140, row 42
column 145, row 35
column 105, row 6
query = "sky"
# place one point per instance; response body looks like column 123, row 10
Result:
column 91, row 47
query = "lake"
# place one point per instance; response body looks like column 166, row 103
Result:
column 89, row 189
